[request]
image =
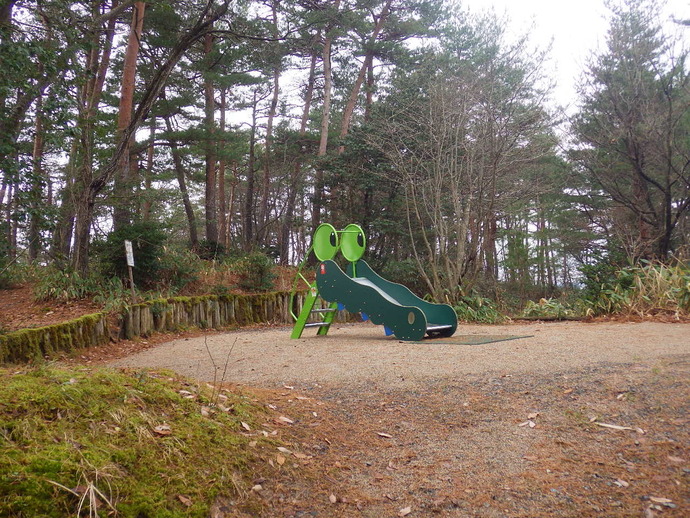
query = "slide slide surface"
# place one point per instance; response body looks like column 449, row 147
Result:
column 384, row 302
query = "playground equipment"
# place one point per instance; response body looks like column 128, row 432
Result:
column 362, row 290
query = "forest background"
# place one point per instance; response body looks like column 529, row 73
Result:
column 217, row 135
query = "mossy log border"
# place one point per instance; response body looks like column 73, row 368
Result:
column 39, row 343
column 146, row 318
column 205, row 312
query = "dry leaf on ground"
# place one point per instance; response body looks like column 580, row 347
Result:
column 162, row 429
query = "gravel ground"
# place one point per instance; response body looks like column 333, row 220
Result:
column 361, row 354
column 518, row 428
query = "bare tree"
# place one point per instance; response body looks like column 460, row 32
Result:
column 458, row 150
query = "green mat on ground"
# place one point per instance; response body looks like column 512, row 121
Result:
column 471, row 339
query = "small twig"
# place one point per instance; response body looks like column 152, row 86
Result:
column 213, row 362
column 227, row 361
column 613, row 426
column 215, row 393
column 63, row 487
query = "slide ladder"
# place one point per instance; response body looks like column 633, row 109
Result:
column 314, row 305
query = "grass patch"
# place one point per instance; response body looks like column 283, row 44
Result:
column 81, row 442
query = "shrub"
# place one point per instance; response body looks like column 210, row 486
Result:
column 178, row 268
column 62, row 284
column 147, row 240
column 210, row 251
column 645, row 289
column 549, row 308
column 13, row 273
column 256, row 272
column 405, row 272
column 601, row 275
column 475, row 308
column 6, row 278
column 112, row 294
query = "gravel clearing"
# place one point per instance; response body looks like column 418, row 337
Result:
column 360, row 353
column 579, row 419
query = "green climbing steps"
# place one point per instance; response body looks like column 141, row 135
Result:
column 311, row 308
column 325, row 245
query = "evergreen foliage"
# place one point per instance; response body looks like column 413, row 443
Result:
column 253, row 122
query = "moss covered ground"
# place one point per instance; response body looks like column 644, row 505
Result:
column 80, row 442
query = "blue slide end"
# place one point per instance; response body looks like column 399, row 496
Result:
column 365, row 317
column 341, row 307
column 387, row 330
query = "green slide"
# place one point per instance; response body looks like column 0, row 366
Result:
column 361, row 290
column 386, row 303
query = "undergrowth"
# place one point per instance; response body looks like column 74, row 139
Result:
column 130, row 444
column 475, row 308
column 552, row 309
column 644, row 290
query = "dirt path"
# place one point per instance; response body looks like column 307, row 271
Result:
column 360, row 353
column 511, row 428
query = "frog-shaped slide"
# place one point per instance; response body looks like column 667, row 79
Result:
column 361, row 290
column 385, row 303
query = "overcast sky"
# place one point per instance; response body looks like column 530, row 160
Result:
column 576, row 27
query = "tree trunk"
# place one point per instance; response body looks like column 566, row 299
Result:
column 370, row 91
column 289, row 216
column 7, row 224
column 62, row 235
column 249, row 195
column 325, row 121
column 231, row 208
column 148, row 202
column 89, row 99
column 36, row 218
column 268, row 152
column 82, row 229
column 211, row 203
column 5, row 18
column 124, row 177
column 94, row 185
column 6, row 7
column 222, row 200
column 179, row 171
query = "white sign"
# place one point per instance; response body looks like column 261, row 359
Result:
column 130, row 254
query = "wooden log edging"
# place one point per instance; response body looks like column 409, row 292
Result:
column 39, row 343
column 146, row 318
column 205, row 312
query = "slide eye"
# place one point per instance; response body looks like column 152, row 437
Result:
column 354, row 242
column 325, row 242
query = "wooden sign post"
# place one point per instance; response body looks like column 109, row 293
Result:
column 130, row 263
